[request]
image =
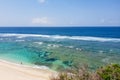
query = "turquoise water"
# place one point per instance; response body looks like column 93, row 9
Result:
column 59, row 52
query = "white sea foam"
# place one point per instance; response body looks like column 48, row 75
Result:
column 84, row 38
column 41, row 67
column 79, row 49
column 40, row 43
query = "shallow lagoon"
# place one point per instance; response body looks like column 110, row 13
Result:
column 59, row 52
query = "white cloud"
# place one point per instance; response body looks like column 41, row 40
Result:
column 42, row 1
column 42, row 20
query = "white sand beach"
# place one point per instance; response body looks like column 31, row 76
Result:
column 9, row 71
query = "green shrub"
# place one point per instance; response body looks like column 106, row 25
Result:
column 109, row 72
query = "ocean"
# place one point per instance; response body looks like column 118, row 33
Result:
column 59, row 48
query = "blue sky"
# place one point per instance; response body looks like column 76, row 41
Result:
column 59, row 12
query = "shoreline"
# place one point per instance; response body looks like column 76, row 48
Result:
column 27, row 65
column 11, row 71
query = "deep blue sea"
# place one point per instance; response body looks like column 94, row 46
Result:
column 59, row 48
column 111, row 32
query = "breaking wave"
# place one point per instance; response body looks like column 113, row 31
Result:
column 84, row 38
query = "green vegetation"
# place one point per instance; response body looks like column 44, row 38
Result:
column 109, row 72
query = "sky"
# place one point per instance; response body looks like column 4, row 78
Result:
column 59, row 13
